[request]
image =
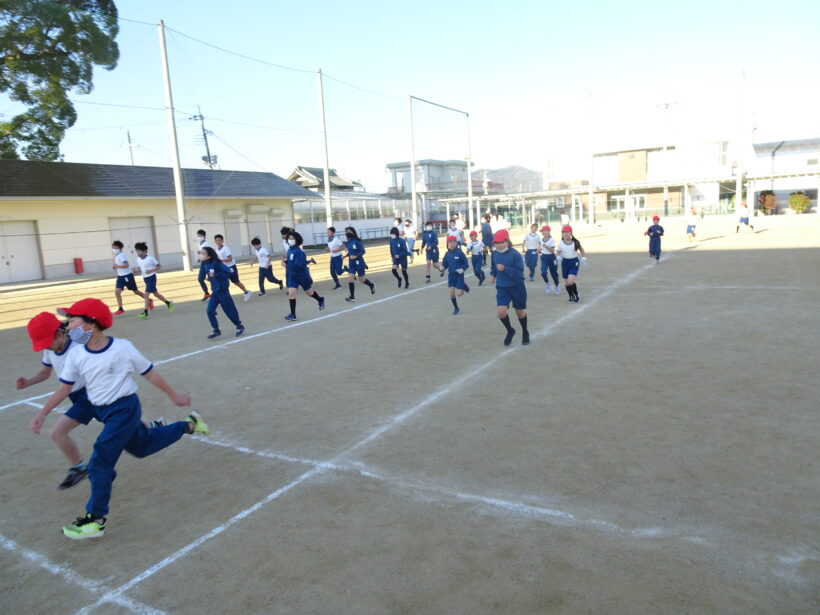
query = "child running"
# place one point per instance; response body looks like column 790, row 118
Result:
column 655, row 232
column 125, row 277
column 148, row 266
column 399, row 254
column 691, row 224
column 568, row 249
column 429, row 240
column 335, row 247
column 456, row 261
column 298, row 274
column 218, row 274
column 507, row 271
column 530, row 249
column 224, row 253
column 743, row 217
column 265, row 266
column 476, row 249
column 106, row 365
column 548, row 260
column 202, row 242
column 356, row 265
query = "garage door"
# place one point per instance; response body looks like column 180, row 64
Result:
column 19, row 252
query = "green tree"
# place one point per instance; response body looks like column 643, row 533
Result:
column 48, row 48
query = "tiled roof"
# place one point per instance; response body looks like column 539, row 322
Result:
column 28, row 178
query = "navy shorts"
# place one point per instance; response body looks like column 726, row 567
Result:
column 295, row 281
column 401, row 262
column 690, row 230
column 516, row 294
column 356, row 266
column 336, row 265
column 456, row 280
column 744, row 221
column 126, row 281
column 81, row 409
column 150, row 284
column 432, row 254
column 569, row 266
column 233, row 275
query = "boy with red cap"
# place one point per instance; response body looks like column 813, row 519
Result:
column 477, row 248
column 106, row 365
column 456, row 261
column 530, row 248
column 507, row 271
column 546, row 245
column 655, row 232
column 568, row 250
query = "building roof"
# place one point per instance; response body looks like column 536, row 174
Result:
column 30, row 178
column 315, row 177
column 797, row 146
column 428, row 162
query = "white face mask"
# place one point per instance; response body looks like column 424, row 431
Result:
column 291, row 242
column 428, row 228
column 502, row 250
column 78, row 335
column 115, row 250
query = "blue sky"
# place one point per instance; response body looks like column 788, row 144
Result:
column 537, row 78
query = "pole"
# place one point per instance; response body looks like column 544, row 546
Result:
column 172, row 129
column 328, row 201
column 591, row 164
column 130, row 148
column 413, row 166
column 469, row 176
column 209, row 162
column 739, row 169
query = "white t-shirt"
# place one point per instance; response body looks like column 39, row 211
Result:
column 122, row 259
column 409, row 232
column 567, row 249
column 459, row 224
column 742, row 212
column 546, row 244
column 224, row 254
column 334, row 244
column 692, row 220
column 149, row 263
column 532, row 240
column 476, row 247
column 106, row 372
column 56, row 361
column 204, row 244
column 262, row 255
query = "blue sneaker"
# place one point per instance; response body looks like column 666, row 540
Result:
column 240, row 331
column 216, row 333
column 290, row 317
column 456, row 312
column 321, row 304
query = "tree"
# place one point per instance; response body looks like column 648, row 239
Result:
column 48, row 48
column 799, row 202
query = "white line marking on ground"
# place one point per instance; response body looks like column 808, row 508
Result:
column 71, row 577
column 397, row 420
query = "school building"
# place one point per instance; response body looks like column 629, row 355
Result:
column 59, row 218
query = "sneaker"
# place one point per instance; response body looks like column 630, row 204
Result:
column 290, row 317
column 481, row 281
column 216, row 333
column 399, row 281
column 200, row 426
column 456, row 312
column 85, row 527
column 160, row 422
column 350, row 300
column 281, row 285
column 321, row 304
column 142, row 314
column 557, row 290
column 119, row 312
column 372, row 288
column 150, row 304
column 246, row 296
column 74, row 476
column 240, row 331
column 525, row 338
column 548, row 289
column 427, row 279
column 337, row 287
column 261, row 295
column 466, row 289
column 532, row 278
column 407, row 284
column 170, row 306
column 205, row 297
column 508, row 338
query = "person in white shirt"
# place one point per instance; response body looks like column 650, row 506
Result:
column 225, row 256
column 410, row 233
column 530, row 249
column 549, row 262
column 568, row 250
column 336, row 248
column 106, row 365
column 691, row 224
column 125, row 277
column 265, row 266
column 148, row 266
column 743, row 217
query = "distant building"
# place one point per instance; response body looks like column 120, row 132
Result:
column 313, row 178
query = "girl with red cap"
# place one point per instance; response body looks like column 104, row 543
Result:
column 655, row 232
column 568, row 249
column 507, row 272
column 477, row 248
column 456, row 261
column 546, row 245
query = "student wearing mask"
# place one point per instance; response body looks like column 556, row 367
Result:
column 356, row 265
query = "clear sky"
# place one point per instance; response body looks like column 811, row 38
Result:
column 538, row 79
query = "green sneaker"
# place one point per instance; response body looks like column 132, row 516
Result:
column 200, row 426
column 170, row 306
column 142, row 314
column 85, row 527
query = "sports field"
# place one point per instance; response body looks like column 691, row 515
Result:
column 654, row 450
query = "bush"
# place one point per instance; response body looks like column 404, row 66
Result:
column 799, row 202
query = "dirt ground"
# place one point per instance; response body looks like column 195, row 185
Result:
column 654, row 450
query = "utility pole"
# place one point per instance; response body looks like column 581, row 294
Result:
column 130, row 148
column 210, row 161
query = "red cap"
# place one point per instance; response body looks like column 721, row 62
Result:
column 41, row 330
column 452, row 238
column 656, row 217
column 566, row 228
column 92, row 308
column 546, row 228
column 473, row 234
column 500, row 236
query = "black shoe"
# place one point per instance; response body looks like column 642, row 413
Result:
column 525, row 338
column 427, row 279
column 372, row 288
column 350, row 300
column 216, row 333
column 399, row 281
column 240, row 331
column 466, row 289
column 337, row 287
column 406, row 285
column 281, row 285
column 509, row 337
column 75, row 475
